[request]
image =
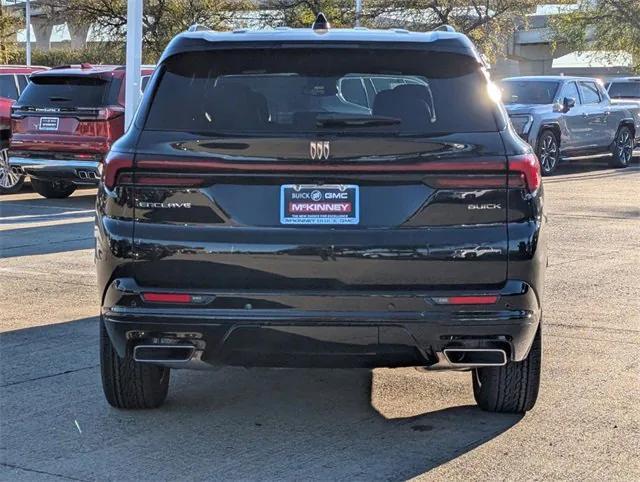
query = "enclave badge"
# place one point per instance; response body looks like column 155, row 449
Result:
column 147, row 205
column 319, row 150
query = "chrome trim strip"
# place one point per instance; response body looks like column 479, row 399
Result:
column 29, row 163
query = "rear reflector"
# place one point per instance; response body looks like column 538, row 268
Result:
column 527, row 172
column 166, row 297
column 465, row 300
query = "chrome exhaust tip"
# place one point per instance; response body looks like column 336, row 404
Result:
column 475, row 357
column 163, row 353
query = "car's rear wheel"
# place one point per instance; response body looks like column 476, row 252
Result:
column 53, row 189
column 512, row 388
column 548, row 152
column 623, row 146
column 10, row 181
column 127, row 383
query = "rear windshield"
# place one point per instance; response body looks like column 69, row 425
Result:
column 625, row 90
column 339, row 91
column 70, row 92
column 528, row 91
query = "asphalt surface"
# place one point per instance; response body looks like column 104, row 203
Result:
column 385, row 424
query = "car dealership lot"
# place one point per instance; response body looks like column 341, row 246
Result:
column 323, row 424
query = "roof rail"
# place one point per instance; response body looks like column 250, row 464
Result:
column 445, row 28
column 196, row 27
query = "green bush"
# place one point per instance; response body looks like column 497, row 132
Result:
column 102, row 53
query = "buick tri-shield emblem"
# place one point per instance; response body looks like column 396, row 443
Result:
column 319, row 150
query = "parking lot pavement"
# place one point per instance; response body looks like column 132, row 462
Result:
column 386, row 424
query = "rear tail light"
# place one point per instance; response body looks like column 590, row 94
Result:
column 94, row 129
column 524, row 172
column 466, row 181
column 110, row 112
column 114, row 163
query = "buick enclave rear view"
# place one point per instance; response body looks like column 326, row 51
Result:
column 335, row 198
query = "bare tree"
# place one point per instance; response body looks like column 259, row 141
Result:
column 489, row 23
column 163, row 19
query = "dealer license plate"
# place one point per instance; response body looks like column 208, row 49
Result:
column 325, row 204
column 49, row 123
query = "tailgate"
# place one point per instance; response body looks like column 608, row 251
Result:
column 206, row 221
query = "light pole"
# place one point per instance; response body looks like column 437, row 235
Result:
column 27, row 21
column 358, row 12
column 134, row 59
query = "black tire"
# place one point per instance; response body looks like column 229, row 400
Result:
column 622, row 148
column 127, row 383
column 512, row 388
column 548, row 151
column 13, row 187
column 10, row 182
column 53, row 189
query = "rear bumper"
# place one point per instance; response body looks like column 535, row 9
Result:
column 78, row 172
column 323, row 329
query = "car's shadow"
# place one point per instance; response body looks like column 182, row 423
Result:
column 43, row 226
column 230, row 423
column 591, row 168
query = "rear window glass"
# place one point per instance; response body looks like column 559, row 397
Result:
column 625, row 90
column 528, row 91
column 70, row 92
column 317, row 91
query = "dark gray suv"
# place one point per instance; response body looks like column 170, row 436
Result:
column 567, row 117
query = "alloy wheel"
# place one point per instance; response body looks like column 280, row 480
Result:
column 548, row 153
column 8, row 178
column 624, row 146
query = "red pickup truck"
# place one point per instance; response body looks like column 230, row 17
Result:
column 64, row 123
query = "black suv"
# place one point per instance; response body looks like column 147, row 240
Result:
column 255, row 215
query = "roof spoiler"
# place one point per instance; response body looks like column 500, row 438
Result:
column 83, row 65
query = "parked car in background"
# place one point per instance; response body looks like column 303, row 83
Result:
column 64, row 123
column 625, row 88
column 13, row 80
column 565, row 117
column 258, row 214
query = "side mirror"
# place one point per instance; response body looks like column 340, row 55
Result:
column 568, row 103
